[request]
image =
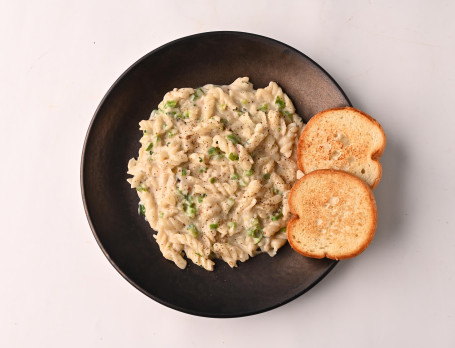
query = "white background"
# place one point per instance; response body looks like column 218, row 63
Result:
column 394, row 59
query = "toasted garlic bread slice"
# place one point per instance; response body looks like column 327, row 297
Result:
column 345, row 139
column 335, row 212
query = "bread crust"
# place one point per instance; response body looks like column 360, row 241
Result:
column 292, row 199
column 374, row 156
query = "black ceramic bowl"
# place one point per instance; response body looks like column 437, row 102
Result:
column 261, row 283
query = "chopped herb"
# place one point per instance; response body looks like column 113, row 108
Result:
column 157, row 137
column 188, row 206
column 200, row 199
column 233, row 157
column 202, row 170
column 172, row 114
column 141, row 188
column 244, row 101
column 141, row 209
column 200, row 159
column 289, row 115
column 225, row 123
column 190, row 211
column 280, row 103
column 257, row 239
column 235, row 176
column 279, row 129
column 161, row 214
column 242, row 182
column 264, row 107
column 282, row 229
column 248, row 172
column 212, row 180
column 170, row 104
column 144, row 131
column 223, row 107
column 167, row 144
column 213, row 226
column 198, row 254
column 231, row 201
column 164, row 125
column 277, row 216
column 171, row 133
column 215, row 151
column 193, row 230
column 197, row 93
column 149, row 147
column 184, row 172
column 232, row 225
column 251, row 231
column 256, row 233
column 254, row 221
column 266, row 176
column 186, row 114
column 275, row 191
column 233, row 138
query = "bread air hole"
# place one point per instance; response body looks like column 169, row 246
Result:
column 335, row 155
column 334, row 200
column 342, row 138
column 362, row 171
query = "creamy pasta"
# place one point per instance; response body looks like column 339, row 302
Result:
column 214, row 171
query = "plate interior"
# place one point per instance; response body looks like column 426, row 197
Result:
column 261, row 283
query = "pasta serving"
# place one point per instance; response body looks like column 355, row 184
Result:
column 214, row 171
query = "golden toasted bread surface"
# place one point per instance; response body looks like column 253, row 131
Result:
column 343, row 139
column 335, row 215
